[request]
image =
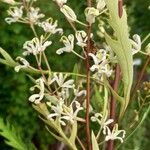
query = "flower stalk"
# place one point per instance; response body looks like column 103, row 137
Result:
column 89, row 28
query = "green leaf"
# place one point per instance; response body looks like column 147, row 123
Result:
column 122, row 48
column 12, row 137
column 73, row 133
column 56, row 136
column 8, row 60
column 94, row 142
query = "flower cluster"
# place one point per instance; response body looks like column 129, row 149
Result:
column 58, row 102
column 102, row 60
column 33, row 15
column 50, row 27
column 81, row 38
column 16, row 15
column 64, row 113
column 109, row 135
column 35, row 46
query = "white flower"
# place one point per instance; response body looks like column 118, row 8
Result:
column 50, row 26
column 15, row 13
column 60, row 2
column 64, row 113
column 58, row 109
column 34, row 16
column 60, row 79
column 91, row 13
column 101, row 65
column 35, row 46
column 136, row 44
column 81, row 37
column 69, row 13
column 71, row 114
column 115, row 134
column 100, row 4
column 68, row 42
column 36, row 98
column 102, row 121
column 24, row 62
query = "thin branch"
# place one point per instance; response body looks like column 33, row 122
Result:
column 81, row 144
column 110, row 145
column 136, row 87
column 88, row 91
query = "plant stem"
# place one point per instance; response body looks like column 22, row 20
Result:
column 140, row 78
column 110, row 145
column 88, row 91
column 120, row 8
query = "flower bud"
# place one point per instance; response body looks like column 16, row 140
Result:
column 69, row 13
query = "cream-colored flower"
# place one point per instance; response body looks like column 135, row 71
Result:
column 71, row 113
column 63, row 113
column 15, row 13
column 50, row 26
column 81, row 37
column 36, row 98
column 69, row 13
column 100, row 4
column 115, row 134
column 101, row 64
column 136, row 44
column 35, row 46
column 101, row 121
column 60, row 80
column 57, row 112
column 69, row 44
column 25, row 64
column 33, row 15
column 91, row 13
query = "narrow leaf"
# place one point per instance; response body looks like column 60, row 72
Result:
column 94, row 142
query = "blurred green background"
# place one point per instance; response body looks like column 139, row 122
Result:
column 14, row 87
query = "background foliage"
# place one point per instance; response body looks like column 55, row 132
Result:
column 14, row 88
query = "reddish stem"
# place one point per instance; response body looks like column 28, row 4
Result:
column 110, row 144
column 88, row 49
column 120, row 8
